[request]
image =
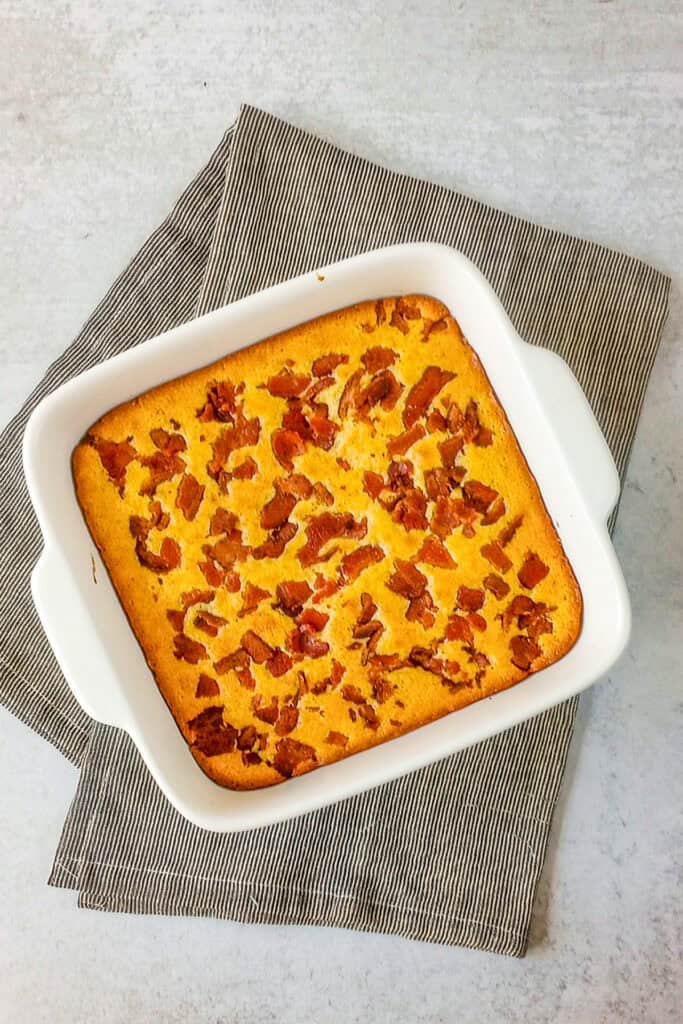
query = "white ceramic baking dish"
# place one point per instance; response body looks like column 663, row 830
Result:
column 86, row 625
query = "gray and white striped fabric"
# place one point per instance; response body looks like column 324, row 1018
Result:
column 451, row 853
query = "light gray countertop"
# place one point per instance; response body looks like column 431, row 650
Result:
column 568, row 113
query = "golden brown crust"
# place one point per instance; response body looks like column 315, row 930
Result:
column 372, row 433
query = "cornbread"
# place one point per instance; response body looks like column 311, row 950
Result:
column 326, row 539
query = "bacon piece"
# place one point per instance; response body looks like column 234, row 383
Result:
column 509, row 531
column 496, row 511
column 213, row 575
column 450, row 449
column 399, row 445
column 434, row 552
column 459, row 628
column 524, row 652
column 483, row 438
column 278, row 510
column 369, row 716
column 189, row 497
column 247, row 737
column 327, row 526
column 169, row 556
column 425, row 658
column 296, row 419
column 368, row 609
column 277, row 542
column 350, row 394
column 115, row 457
column 469, row 599
column 383, row 389
column 455, row 420
column 477, row 621
column 207, row 686
column 533, row 571
column 520, row 605
column 423, row 393
column 286, row 444
column 494, row 554
column 269, row 714
column 336, row 739
column 228, row 550
column 279, row 663
column 382, row 690
column 243, row 434
column 536, row 622
column 410, row 510
column 324, row 588
column 287, row 384
column 168, row 443
column 257, row 648
column 238, row 662
column 290, row 755
column 437, row 483
column 253, row 595
column 380, row 312
column 399, row 320
column 186, row 649
column 497, row 585
column 421, row 609
column 323, row 494
column 232, row 582
column 177, row 619
column 378, row 358
column 221, row 402
column 353, row 564
column 436, row 422
column 478, row 495
column 446, row 517
column 141, row 527
column 373, row 484
column 246, row 470
column 287, row 720
column 433, row 327
column 302, row 641
column 406, row 580
column 352, row 694
column 162, row 467
column 211, row 734
column 209, row 623
column 222, row 521
column 323, row 430
column 313, row 618
column 192, row 597
column 292, row 596
column 344, row 463
column 325, row 365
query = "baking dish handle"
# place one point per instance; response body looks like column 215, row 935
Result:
column 568, row 409
column 67, row 624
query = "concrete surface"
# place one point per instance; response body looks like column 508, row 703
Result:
column 565, row 112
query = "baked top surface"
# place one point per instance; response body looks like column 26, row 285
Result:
column 326, row 540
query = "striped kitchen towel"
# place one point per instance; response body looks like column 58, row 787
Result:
column 451, row 853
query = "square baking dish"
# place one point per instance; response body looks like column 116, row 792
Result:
column 86, row 625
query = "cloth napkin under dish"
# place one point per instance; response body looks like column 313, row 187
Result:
column 451, row 853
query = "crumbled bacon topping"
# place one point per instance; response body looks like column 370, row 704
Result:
column 423, row 393
column 292, row 595
column 407, row 580
column 336, row 739
column 115, row 457
column 209, row 623
column 328, row 526
column 327, row 364
column 253, row 595
column 186, row 649
column 378, row 358
column 533, row 571
column 478, row 495
column 290, row 755
column 469, row 599
column 212, row 735
column 286, row 445
column 508, row 532
column 287, row 384
column 190, row 494
column 497, row 585
column 276, row 542
column 434, row 552
column 524, row 652
column 169, row 556
column 494, row 554
column 207, row 686
column 353, row 564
